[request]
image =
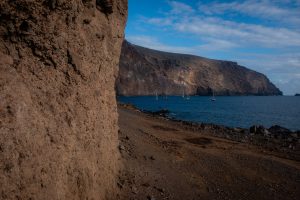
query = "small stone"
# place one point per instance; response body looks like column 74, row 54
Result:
column 120, row 185
column 152, row 158
column 86, row 21
column 101, row 37
column 150, row 197
column 52, row 4
column 161, row 190
column 146, row 184
column 253, row 129
column 38, row 53
column 121, row 147
column 105, row 5
column 134, row 190
column 120, row 182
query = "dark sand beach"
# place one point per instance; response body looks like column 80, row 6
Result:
column 163, row 159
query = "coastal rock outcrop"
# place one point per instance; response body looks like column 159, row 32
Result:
column 148, row 72
column 58, row 115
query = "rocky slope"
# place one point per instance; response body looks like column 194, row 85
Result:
column 58, row 115
column 147, row 72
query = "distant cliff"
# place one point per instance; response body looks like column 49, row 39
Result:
column 147, row 72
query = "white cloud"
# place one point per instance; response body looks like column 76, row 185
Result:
column 159, row 21
column 271, row 10
column 180, row 8
column 183, row 18
column 211, row 44
column 245, row 34
column 290, row 84
column 283, row 69
column 273, row 63
column 153, row 43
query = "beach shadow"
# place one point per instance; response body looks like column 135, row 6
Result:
column 157, row 127
column 199, row 141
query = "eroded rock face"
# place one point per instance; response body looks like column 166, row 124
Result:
column 147, row 72
column 58, row 117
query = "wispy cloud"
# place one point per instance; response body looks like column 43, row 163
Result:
column 289, row 84
column 288, row 63
column 210, row 45
column 235, row 32
column 180, row 8
column 271, row 10
column 214, row 44
column 283, row 69
column 159, row 21
column 153, row 43
column 241, row 32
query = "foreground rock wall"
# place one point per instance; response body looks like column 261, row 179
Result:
column 147, row 72
column 58, row 117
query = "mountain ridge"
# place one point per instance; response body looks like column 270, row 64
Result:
column 144, row 71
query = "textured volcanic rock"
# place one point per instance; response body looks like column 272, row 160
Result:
column 58, row 116
column 147, row 72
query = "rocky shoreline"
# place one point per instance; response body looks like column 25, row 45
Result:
column 165, row 158
column 275, row 138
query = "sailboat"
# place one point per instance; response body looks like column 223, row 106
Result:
column 185, row 96
column 213, row 97
column 156, row 96
column 183, row 87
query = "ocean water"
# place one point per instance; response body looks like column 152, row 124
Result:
column 232, row 111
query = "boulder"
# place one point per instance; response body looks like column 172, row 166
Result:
column 259, row 130
column 162, row 112
column 279, row 130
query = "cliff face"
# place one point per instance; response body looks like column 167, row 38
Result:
column 147, row 72
column 58, row 117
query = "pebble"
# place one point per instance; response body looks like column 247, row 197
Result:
column 150, row 197
column 121, row 147
column 134, row 190
column 152, row 158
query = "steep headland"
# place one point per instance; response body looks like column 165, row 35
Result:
column 147, row 72
column 58, row 115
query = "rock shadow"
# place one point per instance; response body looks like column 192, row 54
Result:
column 199, row 140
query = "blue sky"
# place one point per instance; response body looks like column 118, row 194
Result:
column 261, row 35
